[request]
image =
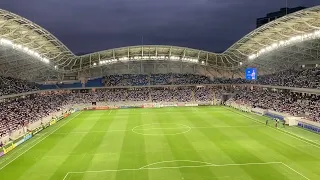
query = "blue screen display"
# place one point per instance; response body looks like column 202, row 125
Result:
column 251, row 74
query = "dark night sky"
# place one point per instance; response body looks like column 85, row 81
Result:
column 92, row 25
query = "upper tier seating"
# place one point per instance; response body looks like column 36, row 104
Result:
column 10, row 85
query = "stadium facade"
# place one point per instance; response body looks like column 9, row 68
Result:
column 29, row 51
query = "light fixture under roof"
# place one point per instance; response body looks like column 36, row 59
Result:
column 18, row 47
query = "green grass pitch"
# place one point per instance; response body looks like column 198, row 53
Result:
column 187, row 143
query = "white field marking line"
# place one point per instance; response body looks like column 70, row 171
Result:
column 173, row 167
column 66, row 122
column 169, row 134
column 66, row 176
column 155, row 113
column 294, row 170
column 21, row 148
column 207, row 163
column 285, row 132
column 164, row 128
column 84, row 132
column 212, row 127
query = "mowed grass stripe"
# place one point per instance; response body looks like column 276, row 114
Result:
column 215, row 155
column 179, row 142
column 133, row 151
column 230, row 143
column 236, row 144
column 257, row 147
column 34, row 151
column 282, row 147
column 86, row 147
column 157, row 148
column 52, row 158
column 211, row 118
column 285, row 148
column 290, row 139
column 262, row 119
column 100, row 157
column 280, row 151
column 35, row 140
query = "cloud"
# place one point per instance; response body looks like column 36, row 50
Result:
column 86, row 26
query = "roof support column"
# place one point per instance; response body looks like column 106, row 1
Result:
column 207, row 58
column 141, row 51
column 81, row 62
column 128, row 52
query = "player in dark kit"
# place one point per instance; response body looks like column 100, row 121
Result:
column 284, row 123
column 277, row 123
column 267, row 121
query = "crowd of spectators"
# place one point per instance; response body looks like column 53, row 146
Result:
column 138, row 94
column 203, row 94
column 162, row 95
column 10, row 85
column 306, row 78
column 16, row 113
column 126, row 80
column 155, row 79
column 295, row 104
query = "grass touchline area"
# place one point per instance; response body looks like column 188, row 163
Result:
column 168, row 143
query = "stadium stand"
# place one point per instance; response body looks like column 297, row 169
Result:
column 305, row 78
column 295, row 104
column 18, row 112
column 14, row 114
column 9, row 85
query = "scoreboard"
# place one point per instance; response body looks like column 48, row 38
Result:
column 251, row 74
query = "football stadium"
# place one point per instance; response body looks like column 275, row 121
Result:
column 156, row 112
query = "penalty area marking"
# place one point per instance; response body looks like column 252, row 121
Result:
column 66, row 122
column 205, row 164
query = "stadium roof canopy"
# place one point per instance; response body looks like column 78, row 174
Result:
column 26, row 47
